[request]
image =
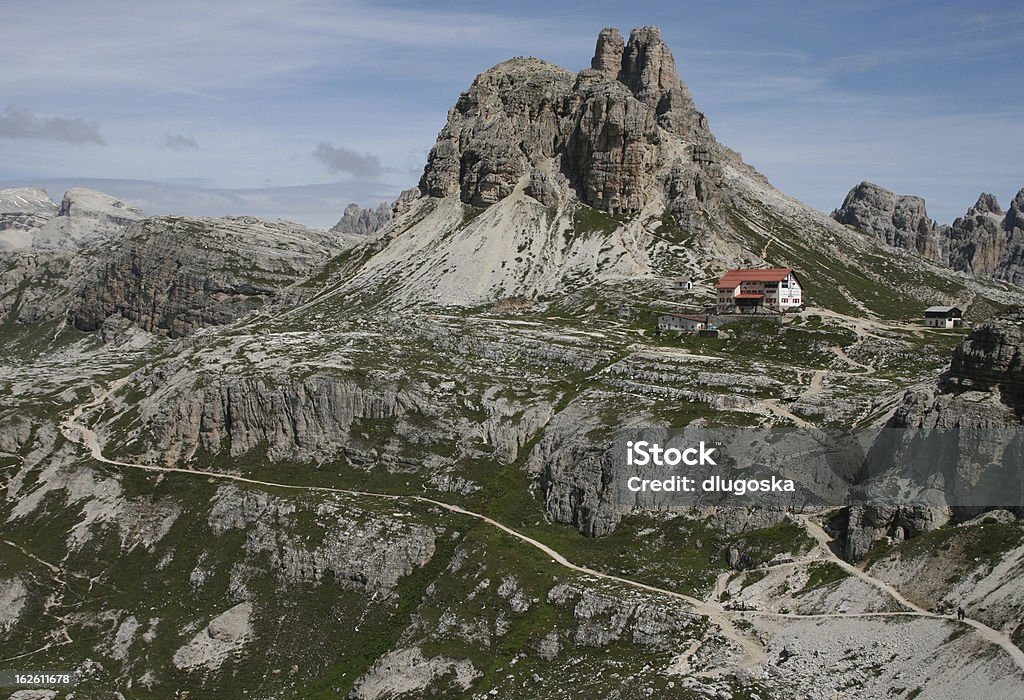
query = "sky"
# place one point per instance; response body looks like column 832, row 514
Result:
column 293, row 108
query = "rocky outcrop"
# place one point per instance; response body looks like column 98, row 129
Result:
column 359, row 550
column 990, row 360
column 954, row 447
column 898, row 220
column 363, row 221
column 977, row 243
column 869, row 523
column 23, row 209
column 604, row 618
column 984, row 241
column 173, row 275
column 601, row 135
column 404, row 672
column 224, row 637
column 14, row 596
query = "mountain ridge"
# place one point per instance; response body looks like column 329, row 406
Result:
column 984, row 241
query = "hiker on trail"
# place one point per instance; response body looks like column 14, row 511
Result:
column 960, row 613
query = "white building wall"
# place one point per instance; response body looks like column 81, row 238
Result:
column 792, row 295
column 668, row 322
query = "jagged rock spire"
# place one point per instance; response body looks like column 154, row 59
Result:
column 608, row 53
column 1015, row 215
column 648, row 68
column 987, row 204
column 599, row 135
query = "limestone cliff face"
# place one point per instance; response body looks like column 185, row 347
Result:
column 600, row 136
column 990, row 360
column 1011, row 267
column 899, row 220
column 984, row 241
column 977, row 243
column 302, row 419
column 980, row 402
column 172, row 276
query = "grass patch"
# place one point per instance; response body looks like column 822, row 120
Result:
column 823, row 574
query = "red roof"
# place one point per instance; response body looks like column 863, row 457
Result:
column 749, row 296
column 734, row 277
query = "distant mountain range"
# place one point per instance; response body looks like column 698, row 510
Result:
column 317, row 206
column 984, row 241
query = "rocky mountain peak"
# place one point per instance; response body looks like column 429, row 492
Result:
column 363, row 221
column 1015, row 216
column 986, row 204
column 606, row 136
column 648, row 67
column 899, row 220
column 982, row 242
column 25, row 199
column 85, row 201
column 608, row 53
column 23, row 209
column 84, row 218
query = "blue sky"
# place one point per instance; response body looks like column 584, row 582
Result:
column 294, row 107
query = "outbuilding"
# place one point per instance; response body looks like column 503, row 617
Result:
column 943, row 317
column 682, row 322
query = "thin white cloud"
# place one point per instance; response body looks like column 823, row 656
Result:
column 18, row 123
column 201, row 48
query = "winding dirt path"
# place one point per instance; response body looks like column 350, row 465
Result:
column 752, row 652
column 816, row 531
